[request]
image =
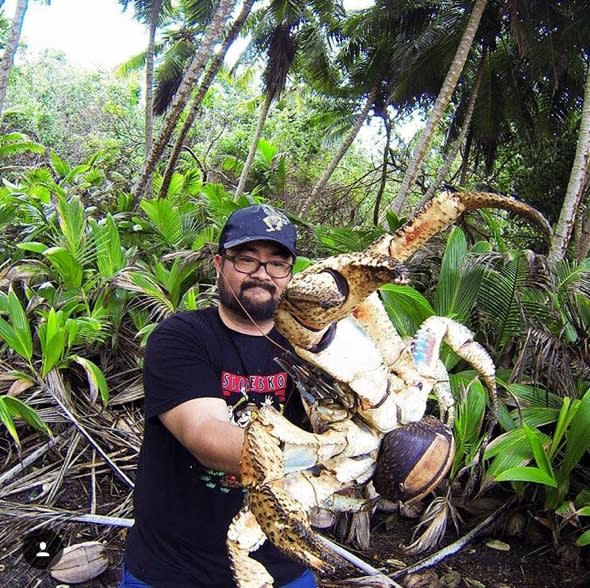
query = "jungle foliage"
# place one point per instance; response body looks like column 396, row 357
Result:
column 87, row 270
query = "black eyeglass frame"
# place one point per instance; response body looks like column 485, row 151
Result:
column 264, row 264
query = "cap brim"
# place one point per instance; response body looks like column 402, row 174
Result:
column 242, row 240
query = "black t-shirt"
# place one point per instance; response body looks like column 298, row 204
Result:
column 183, row 509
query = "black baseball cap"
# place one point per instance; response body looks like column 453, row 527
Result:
column 260, row 222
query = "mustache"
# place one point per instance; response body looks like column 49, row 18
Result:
column 256, row 284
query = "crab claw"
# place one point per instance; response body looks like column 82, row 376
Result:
column 271, row 511
column 331, row 289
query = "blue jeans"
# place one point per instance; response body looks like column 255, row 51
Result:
column 306, row 580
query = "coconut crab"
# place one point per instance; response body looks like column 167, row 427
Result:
column 333, row 317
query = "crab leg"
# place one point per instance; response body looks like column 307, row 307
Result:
column 442, row 211
column 330, row 290
column 426, row 347
column 301, row 450
column 244, row 536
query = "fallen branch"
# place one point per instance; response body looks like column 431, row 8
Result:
column 375, row 574
column 455, row 547
column 53, row 379
column 25, row 463
column 19, row 511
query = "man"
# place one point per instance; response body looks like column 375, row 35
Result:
column 205, row 372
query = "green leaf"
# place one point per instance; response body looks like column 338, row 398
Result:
column 166, row 219
column 500, row 294
column 6, row 418
column 537, row 417
column 190, row 299
column 60, row 167
column 267, row 150
column 66, row 265
column 146, row 284
column 539, row 452
column 107, row 243
column 459, row 282
column 407, row 308
column 17, row 333
column 176, row 186
column 52, row 336
column 96, row 379
column 204, row 237
column 509, row 450
column 393, row 221
column 17, row 143
column 583, row 539
column 470, row 412
column 578, row 436
column 72, row 222
column 33, row 246
column 300, row 264
column 11, row 407
column 445, row 298
column 532, row 395
column 526, row 474
column 17, row 408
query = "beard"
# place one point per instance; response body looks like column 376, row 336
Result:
column 244, row 306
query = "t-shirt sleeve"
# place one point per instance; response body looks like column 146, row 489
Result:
column 178, row 366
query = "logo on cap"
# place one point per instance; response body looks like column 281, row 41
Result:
column 274, row 219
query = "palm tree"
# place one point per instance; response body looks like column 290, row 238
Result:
column 286, row 40
column 150, row 11
column 10, row 49
column 391, row 53
column 534, row 74
column 440, row 105
column 576, row 185
column 281, row 52
column 583, row 229
column 212, row 71
column 346, row 143
column 211, row 36
column 459, row 140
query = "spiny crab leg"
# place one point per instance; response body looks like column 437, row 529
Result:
column 283, row 520
column 330, row 290
column 426, row 349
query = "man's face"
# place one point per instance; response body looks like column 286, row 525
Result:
column 257, row 294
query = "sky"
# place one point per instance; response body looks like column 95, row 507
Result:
column 91, row 33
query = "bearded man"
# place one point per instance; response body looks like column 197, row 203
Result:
column 205, row 371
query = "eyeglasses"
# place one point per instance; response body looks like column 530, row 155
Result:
column 249, row 265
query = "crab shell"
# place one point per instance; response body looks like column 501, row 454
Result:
column 413, row 459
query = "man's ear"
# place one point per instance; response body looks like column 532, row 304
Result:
column 218, row 263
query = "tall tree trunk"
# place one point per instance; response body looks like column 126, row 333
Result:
column 583, row 232
column 440, row 105
column 383, row 181
column 252, row 152
column 11, row 47
column 194, row 70
column 456, row 146
column 575, row 187
column 464, row 172
column 198, row 99
column 358, row 123
column 149, row 85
